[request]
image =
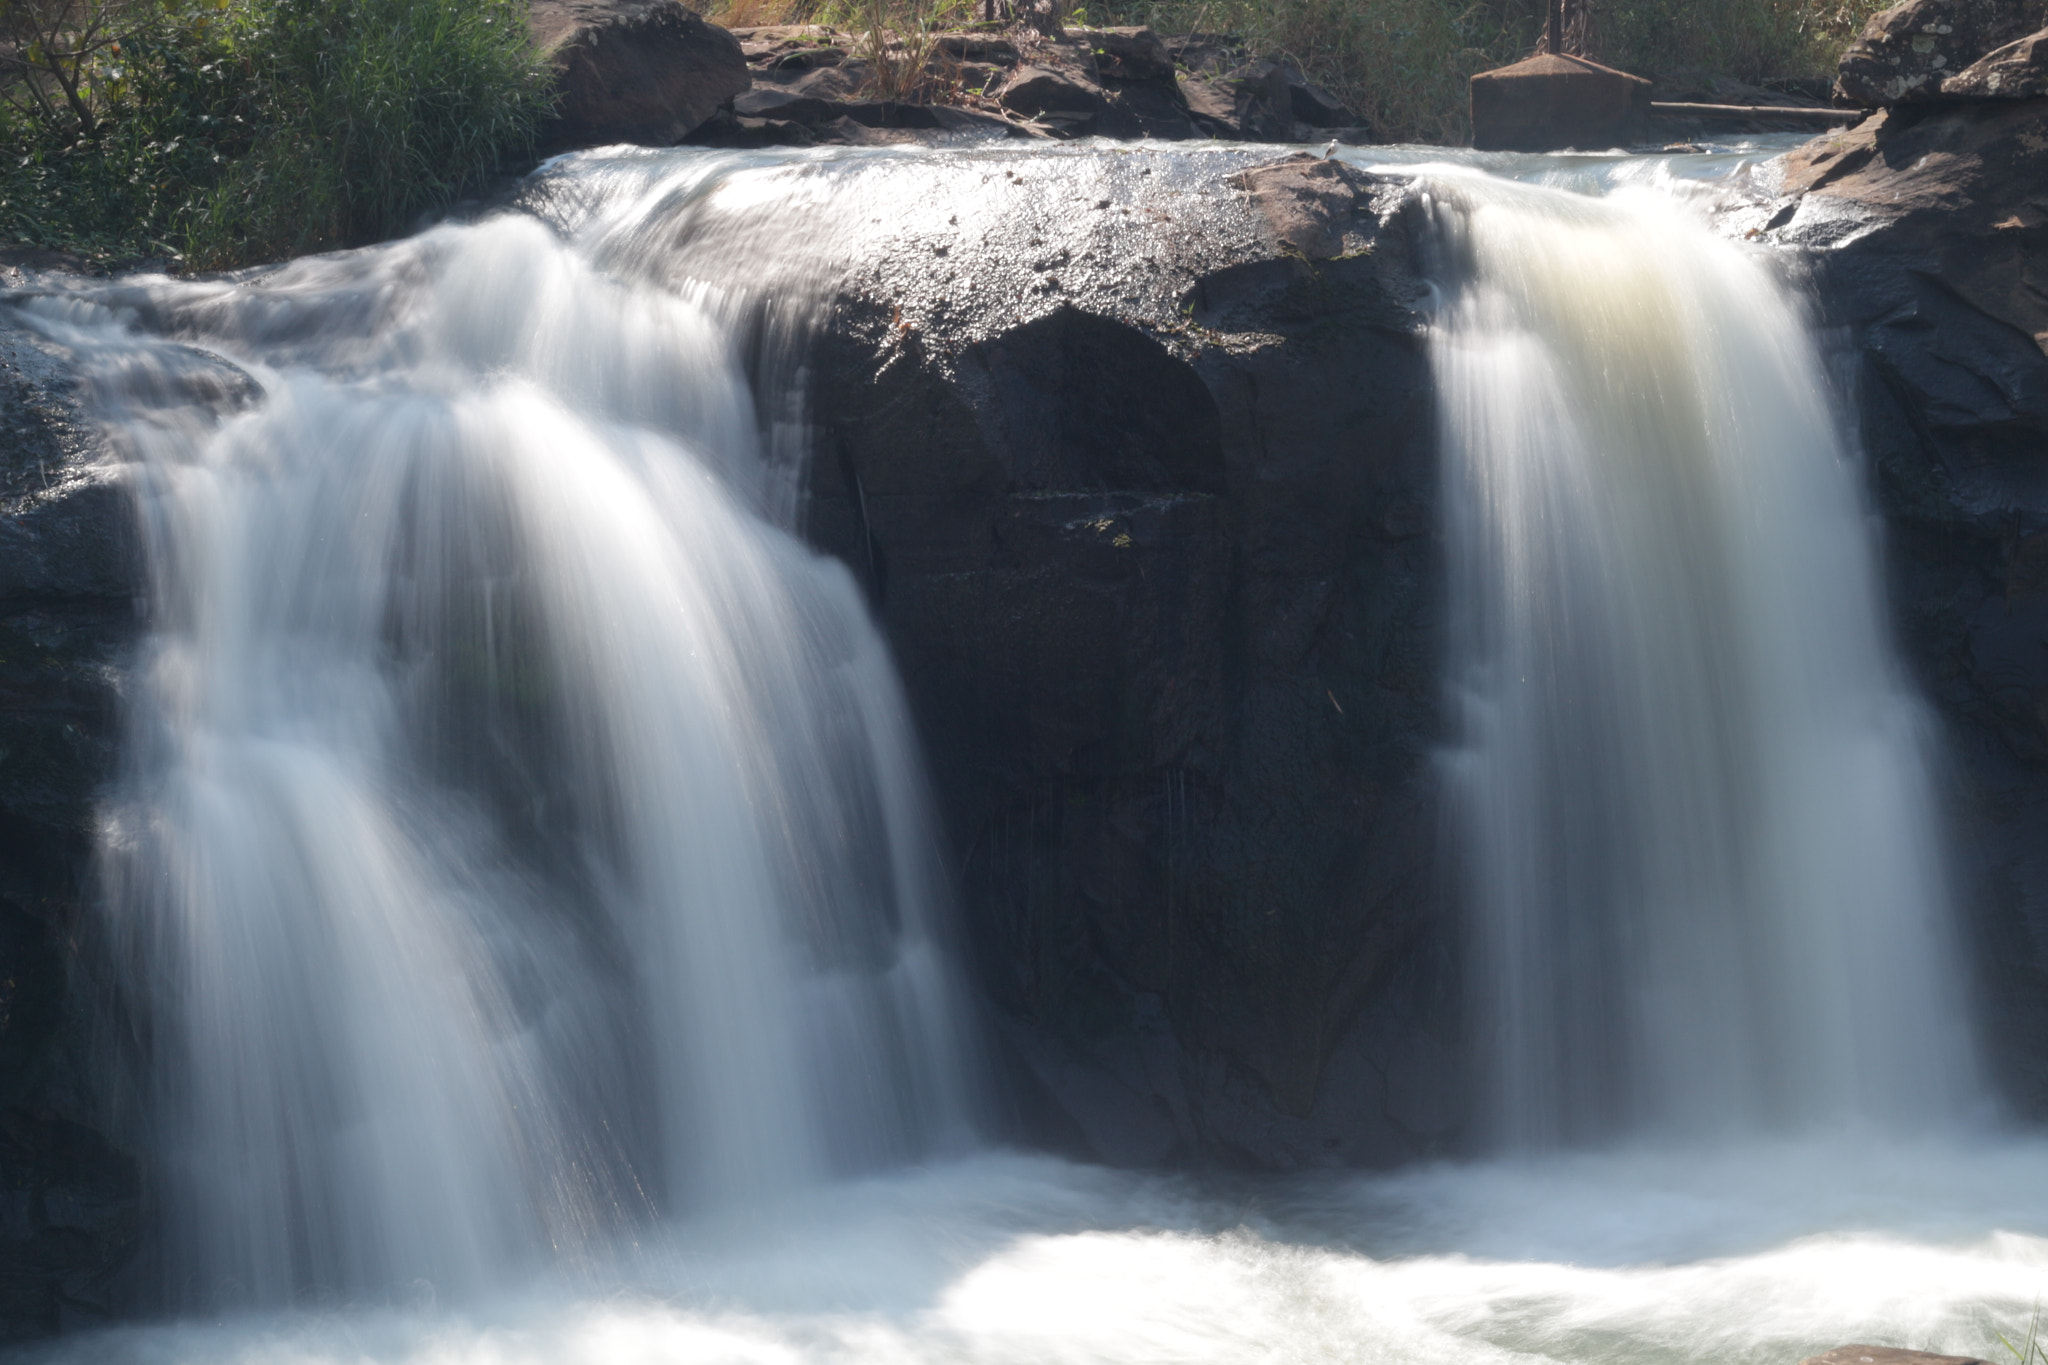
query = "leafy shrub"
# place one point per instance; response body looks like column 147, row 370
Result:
column 228, row 131
column 153, row 108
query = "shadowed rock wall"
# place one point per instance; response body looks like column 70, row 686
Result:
column 1164, row 585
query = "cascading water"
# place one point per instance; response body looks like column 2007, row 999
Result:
column 521, row 837
column 1693, row 794
column 520, row 832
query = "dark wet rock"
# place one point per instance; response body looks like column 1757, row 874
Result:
column 1549, row 103
column 1147, row 513
column 16, row 262
column 1926, row 236
column 69, row 577
column 1907, row 52
column 644, row 71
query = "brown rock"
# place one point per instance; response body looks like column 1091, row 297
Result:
column 1212, row 103
column 1549, row 103
column 1310, row 206
column 1057, row 94
column 1130, row 54
column 1905, row 53
column 2017, row 71
column 646, row 71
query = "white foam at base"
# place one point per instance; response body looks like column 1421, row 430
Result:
column 1741, row 1256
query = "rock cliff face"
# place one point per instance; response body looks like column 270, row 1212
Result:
column 69, row 1200
column 1152, row 532
column 1926, row 233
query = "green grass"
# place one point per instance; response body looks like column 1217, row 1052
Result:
column 375, row 112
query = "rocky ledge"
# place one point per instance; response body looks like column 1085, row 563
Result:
column 814, row 84
column 654, row 73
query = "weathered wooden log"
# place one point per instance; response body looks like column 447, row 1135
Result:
column 1806, row 112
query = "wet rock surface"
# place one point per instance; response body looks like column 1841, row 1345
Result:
column 1925, row 231
column 69, row 1197
column 1137, row 467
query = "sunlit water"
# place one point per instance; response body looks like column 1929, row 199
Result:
column 1692, row 789
column 615, row 956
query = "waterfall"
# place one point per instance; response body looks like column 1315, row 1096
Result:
column 1692, row 794
column 520, row 834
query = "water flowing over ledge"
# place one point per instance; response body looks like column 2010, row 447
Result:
column 610, row 1015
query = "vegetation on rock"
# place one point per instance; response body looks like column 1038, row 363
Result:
column 218, row 132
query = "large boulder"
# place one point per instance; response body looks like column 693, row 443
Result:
column 2017, row 71
column 1907, row 52
column 1928, row 254
column 644, row 71
column 1138, row 468
column 1104, row 83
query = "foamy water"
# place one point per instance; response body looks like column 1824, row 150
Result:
column 1739, row 1254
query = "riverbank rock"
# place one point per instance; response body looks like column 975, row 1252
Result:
column 644, row 71
column 1123, row 83
column 1909, row 52
column 1927, row 250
